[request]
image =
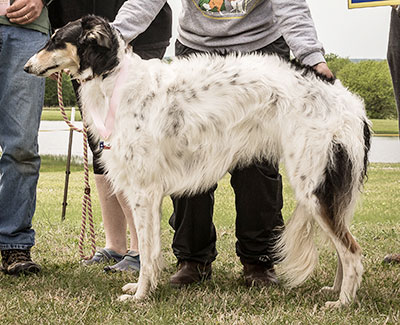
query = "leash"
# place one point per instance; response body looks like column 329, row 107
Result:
column 86, row 201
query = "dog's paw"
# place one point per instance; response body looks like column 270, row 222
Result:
column 125, row 298
column 328, row 289
column 130, row 287
column 333, row 304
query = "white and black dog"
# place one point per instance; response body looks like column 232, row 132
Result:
column 180, row 127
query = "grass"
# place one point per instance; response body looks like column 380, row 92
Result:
column 53, row 114
column 385, row 127
column 67, row 293
column 380, row 127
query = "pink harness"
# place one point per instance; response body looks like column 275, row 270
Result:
column 105, row 128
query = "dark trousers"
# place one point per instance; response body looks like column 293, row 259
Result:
column 393, row 56
column 258, row 201
column 98, row 168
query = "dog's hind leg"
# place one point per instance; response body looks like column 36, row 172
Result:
column 146, row 208
column 337, row 284
column 350, row 269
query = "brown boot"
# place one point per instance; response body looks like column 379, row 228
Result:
column 190, row 272
column 259, row 275
column 16, row 262
column 392, row 258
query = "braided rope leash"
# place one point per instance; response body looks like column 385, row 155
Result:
column 86, row 201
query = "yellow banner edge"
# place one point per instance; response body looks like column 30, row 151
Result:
column 373, row 4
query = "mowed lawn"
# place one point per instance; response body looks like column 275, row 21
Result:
column 67, row 293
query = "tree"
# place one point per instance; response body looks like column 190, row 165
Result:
column 50, row 95
column 336, row 63
column 371, row 81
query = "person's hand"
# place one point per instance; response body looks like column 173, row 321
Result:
column 23, row 12
column 322, row 68
column 394, row 6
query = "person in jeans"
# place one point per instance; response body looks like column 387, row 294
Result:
column 116, row 214
column 393, row 58
column 24, row 29
column 263, row 26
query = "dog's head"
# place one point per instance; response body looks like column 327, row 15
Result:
column 88, row 47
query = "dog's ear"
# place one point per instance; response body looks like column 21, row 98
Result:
column 96, row 30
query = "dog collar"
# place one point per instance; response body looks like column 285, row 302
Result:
column 106, row 127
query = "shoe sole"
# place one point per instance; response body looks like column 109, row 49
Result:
column 23, row 269
column 177, row 285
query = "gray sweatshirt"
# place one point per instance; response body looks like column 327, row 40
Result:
column 239, row 25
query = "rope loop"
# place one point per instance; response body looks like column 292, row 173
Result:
column 86, row 201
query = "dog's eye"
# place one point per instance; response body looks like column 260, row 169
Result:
column 57, row 39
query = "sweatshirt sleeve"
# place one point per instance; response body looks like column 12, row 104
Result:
column 297, row 27
column 135, row 16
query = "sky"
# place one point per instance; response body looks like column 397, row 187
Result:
column 353, row 33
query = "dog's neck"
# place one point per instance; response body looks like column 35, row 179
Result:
column 111, row 90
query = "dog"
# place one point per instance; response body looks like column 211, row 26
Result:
column 180, row 127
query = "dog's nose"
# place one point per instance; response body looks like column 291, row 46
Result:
column 28, row 67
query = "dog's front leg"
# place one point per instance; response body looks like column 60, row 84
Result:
column 146, row 209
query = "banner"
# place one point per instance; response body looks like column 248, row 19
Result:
column 371, row 3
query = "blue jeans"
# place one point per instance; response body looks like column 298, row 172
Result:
column 21, row 102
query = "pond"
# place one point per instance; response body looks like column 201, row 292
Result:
column 385, row 149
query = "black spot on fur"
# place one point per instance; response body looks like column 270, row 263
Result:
column 335, row 192
column 175, row 118
column 148, row 99
column 367, row 147
column 68, row 34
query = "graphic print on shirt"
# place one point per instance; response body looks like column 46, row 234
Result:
column 230, row 9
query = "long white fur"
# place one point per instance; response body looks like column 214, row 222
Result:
column 181, row 127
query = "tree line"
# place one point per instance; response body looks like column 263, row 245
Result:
column 370, row 79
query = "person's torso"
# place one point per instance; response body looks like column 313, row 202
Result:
column 156, row 35
column 41, row 24
column 243, row 25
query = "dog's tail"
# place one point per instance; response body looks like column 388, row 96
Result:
column 295, row 248
column 332, row 208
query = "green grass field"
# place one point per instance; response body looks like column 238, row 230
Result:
column 385, row 127
column 67, row 293
column 53, row 114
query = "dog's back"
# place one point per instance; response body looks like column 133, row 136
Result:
column 182, row 108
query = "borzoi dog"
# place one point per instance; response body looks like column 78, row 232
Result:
column 178, row 128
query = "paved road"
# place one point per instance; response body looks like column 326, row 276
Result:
column 54, row 137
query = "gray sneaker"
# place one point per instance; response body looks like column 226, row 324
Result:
column 129, row 263
column 103, row 255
